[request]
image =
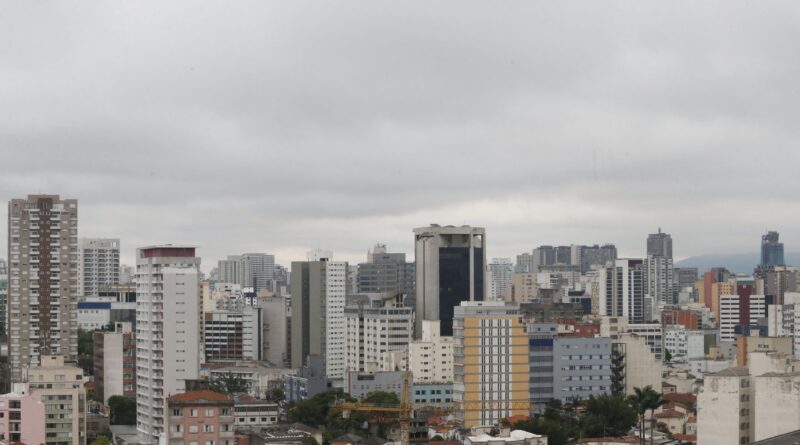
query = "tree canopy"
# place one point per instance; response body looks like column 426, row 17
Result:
column 123, row 410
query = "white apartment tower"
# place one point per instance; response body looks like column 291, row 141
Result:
column 621, row 289
column 377, row 325
column 98, row 265
column 500, row 271
column 167, row 331
column 42, row 280
column 430, row 359
column 318, row 323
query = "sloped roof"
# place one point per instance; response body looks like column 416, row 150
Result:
column 203, row 395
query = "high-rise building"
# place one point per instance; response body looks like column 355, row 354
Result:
column 167, row 331
column 740, row 311
column 596, row 256
column 318, row 323
column 771, row 250
column 276, row 329
column 621, row 290
column 491, row 362
column 231, row 336
column 386, row 272
column 684, row 277
column 377, row 325
column 3, row 297
column 256, row 270
column 98, row 264
column 43, row 280
column 660, row 271
column 450, row 264
column 500, row 271
column 115, row 362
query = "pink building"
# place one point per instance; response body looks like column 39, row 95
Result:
column 22, row 417
column 200, row 418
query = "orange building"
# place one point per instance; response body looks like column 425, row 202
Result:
column 491, row 364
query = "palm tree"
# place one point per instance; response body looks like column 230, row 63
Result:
column 648, row 399
column 638, row 402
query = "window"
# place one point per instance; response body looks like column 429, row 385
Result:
column 192, row 412
column 208, row 428
column 210, row 412
column 192, row 428
column 177, row 412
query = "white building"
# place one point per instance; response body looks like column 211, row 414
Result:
column 318, row 323
column 376, row 325
column 653, row 333
column 777, row 404
column 684, row 344
column 660, row 276
column 167, row 331
column 98, row 264
column 784, row 320
column 276, row 329
column 430, row 359
column 730, row 308
column 641, row 367
column 96, row 313
column 621, row 290
column 725, row 408
column 499, row 273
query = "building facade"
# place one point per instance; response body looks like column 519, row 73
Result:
column 167, row 332
column 115, row 362
column 450, row 263
column 59, row 386
column 499, row 272
column 725, row 408
column 376, row 325
column 621, row 289
column 200, row 417
column 42, row 280
column 386, row 272
column 490, row 362
column 22, row 417
column 318, row 322
column 98, row 264
column 430, row 359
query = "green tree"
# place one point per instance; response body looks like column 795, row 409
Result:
column 123, row 410
column 638, row 402
column 102, row 440
column 86, row 351
column 229, row 383
column 607, row 415
column 382, row 398
column 275, row 394
column 667, row 355
column 557, row 432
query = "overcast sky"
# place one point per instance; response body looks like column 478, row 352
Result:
column 284, row 126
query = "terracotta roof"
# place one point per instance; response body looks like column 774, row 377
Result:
column 196, row 396
column 514, row 419
column 669, row 414
column 685, row 437
column 681, row 397
column 691, row 420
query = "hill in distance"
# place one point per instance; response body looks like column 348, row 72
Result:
column 735, row 262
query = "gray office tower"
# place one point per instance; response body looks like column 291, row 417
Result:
column 450, row 264
column 659, row 244
column 386, row 272
column 771, row 250
column 659, row 280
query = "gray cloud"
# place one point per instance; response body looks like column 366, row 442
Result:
column 282, row 126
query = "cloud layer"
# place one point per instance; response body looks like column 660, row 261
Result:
column 283, row 126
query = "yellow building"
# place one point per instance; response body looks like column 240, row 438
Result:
column 490, row 362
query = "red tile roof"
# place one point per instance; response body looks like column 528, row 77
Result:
column 669, row 414
column 680, row 397
column 195, row 396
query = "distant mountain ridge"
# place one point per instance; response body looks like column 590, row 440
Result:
column 734, row 262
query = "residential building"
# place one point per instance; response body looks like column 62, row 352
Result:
column 258, row 376
column 231, row 336
column 250, row 412
column 725, row 408
column 523, row 287
column 276, row 315
column 3, row 299
column 634, row 365
column 59, row 385
column 621, row 289
column 776, row 405
column 490, row 362
column 581, row 367
column 376, row 325
column 660, row 276
column 450, row 264
column 98, row 264
column 740, row 311
column 690, row 319
column 748, row 344
column 231, row 270
column 256, row 270
column 22, row 417
column 499, row 272
column 115, row 362
column 684, row 344
column 42, row 280
column 167, row 331
column 439, row 395
column 386, row 272
column 684, row 277
column 595, row 255
column 318, row 323
column 430, row 359
column 200, row 417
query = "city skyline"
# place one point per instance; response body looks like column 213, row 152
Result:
column 543, row 123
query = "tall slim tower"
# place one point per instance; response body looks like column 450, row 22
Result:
column 167, row 331
column 318, row 321
column 42, row 280
column 659, row 281
column 621, row 290
column 450, row 264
